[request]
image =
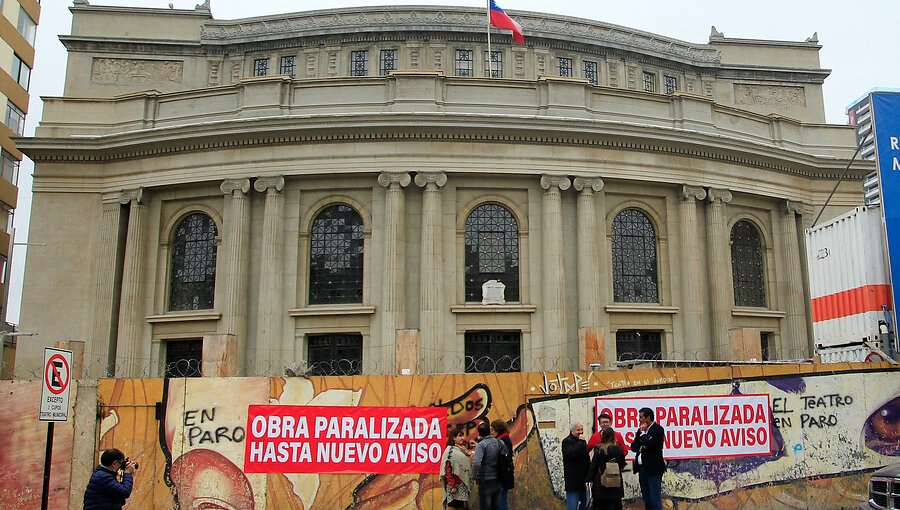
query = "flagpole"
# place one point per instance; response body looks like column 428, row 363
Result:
column 490, row 64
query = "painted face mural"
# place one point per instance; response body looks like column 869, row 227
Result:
column 882, row 429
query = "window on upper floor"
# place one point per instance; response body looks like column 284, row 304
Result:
column 15, row 119
column 261, row 67
column 747, row 268
column 288, row 66
column 464, row 63
column 9, row 166
column 387, row 62
column 495, row 68
column 590, row 71
column 334, row 354
column 359, row 63
column 20, row 72
column 649, row 82
column 565, row 66
column 491, row 251
column 337, row 242
column 671, row 84
column 192, row 283
column 27, row 27
column 634, row 261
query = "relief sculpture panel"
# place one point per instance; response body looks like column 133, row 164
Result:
column 769, row 95
column 126, row 70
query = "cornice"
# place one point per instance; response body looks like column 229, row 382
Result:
column 364, row 128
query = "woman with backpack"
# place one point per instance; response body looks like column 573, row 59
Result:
column 605, row 473
column 456, row 470
column 501, row 431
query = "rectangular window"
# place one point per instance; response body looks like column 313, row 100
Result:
column 27, row 27
column 21, row 72
column 335, row 354
column 15, row 118
column 671, row 84
column 565, row 66
column 649, row 82
column 464, row 64
column 635, row 345
column 288, row 66
column 359, row 63
column 9, row 167
column 184, row 358
column 261, row 67
column 495, row 70
column 764, row 347
column 590, row 72
column 493, row 351
column 387, row 62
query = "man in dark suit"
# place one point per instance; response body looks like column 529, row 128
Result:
column 649, row 463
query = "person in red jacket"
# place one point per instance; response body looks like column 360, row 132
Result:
column 605, row 421
column 104, row 490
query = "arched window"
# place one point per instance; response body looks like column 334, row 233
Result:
column 193, row 280
column 492, row 250
column 336, row 256
column 747, row 265
column 634, row 258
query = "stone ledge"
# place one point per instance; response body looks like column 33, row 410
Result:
column 641, row 308
column 757, row 312
column 313, row 311
column 476, row 308
column 202, row 315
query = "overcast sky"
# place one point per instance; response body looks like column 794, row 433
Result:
column 859, row 40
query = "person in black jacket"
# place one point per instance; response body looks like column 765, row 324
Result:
column 576, row 462
column 649, row 463
column 607, row 498
column 104, row 490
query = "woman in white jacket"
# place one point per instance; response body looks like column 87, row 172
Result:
column 456, row 471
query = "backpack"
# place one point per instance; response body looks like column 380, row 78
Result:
column 612, row 475
column 506, row 471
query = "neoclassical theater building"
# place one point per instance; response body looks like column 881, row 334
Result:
column 369, row 191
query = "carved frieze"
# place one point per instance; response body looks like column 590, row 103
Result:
column 769, row 95
column 128, row 70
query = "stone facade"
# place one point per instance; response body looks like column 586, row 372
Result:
column 168, row 113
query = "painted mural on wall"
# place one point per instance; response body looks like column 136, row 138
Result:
column 830, row 430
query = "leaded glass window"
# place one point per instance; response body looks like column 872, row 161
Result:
column 464, row 63
column 192, row 284
column 387, row 62
column 495, row 69
column 671, row 84
column 565, row 66
column 747, row 265
column 359, row 63
column 649, row 82
column 288, row 66
column 492, row 250
column 261, row 67
column 634, row 258
column 336, row 257
column 590, row 71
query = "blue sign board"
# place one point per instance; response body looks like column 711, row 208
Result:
column 886, row 122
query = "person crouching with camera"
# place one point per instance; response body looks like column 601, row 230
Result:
column 105, row 490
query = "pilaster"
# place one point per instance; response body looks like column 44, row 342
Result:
column 793, row 337
column 99, row 344
column 432, row 270
column 720, row 297
column 591, row 314
column 692, row 341
column 393, row 273
column 129, row 358
column 236, row 244
column 554, row 295
column 270, row 350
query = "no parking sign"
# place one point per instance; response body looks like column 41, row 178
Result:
column 55, row 388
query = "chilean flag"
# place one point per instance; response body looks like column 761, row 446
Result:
column 500, row 19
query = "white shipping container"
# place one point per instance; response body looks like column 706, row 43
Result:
column 848, row 277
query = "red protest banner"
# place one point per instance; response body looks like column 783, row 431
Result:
column 702, row 427
column 344, row 439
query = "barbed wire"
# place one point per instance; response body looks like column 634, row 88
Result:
column 443, row 364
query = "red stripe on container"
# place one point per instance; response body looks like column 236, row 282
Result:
column 868, row 298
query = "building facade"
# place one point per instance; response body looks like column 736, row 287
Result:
column 357, row 191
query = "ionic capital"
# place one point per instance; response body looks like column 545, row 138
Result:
column 274, row 184
column 129, row 196
column 555, row 181
column 235, row 187
column 691, row 193
column 719, row 195
column 587, row 185
column 431, row 180
column 389, row 179
column 791, row 207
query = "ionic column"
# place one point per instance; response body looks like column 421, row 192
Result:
column 591, row 331
column 691, row 341
column 554, row 294
column 130, row 354
column 98, row 345
column 793, row 336
column 236, row 248
column 393, row 270
column 430, row 288
column 720, row 295
column 269, row 336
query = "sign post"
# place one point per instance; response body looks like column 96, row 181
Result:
column 56, row 380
